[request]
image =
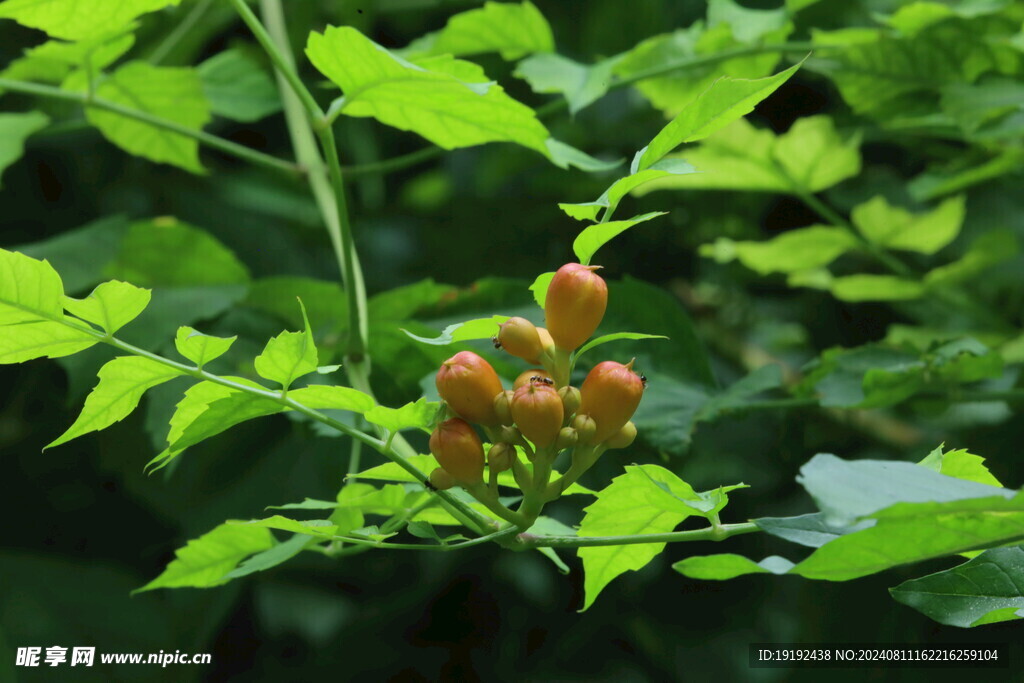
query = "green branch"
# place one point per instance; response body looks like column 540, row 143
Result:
column 206, row 139
column 712, row 533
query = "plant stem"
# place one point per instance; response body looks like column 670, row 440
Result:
column 710, row 534
column 206, row 139
column 494, row 536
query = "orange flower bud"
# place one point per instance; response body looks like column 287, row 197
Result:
column 622, row 438
column 519, row 337
column 441, row 480
column 610, row 394
column 500, row 456
column 469, row 384
column 525, row 378
column 538, row 413
column 546, row 342
column 575, row 304
column 458, row 450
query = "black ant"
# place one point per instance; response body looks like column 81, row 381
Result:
column 643, row 380
column 496, row 342
column 543, row 380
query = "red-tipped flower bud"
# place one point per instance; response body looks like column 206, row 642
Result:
column 469, row 384
column 575, row 304
column 458, row 450
column 610, row 394
column 534, row 375
column 622, row 438
column 537, row 410
column 441, row 480
column 519, row 337
column 500, row 456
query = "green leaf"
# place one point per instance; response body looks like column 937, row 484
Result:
column 729, row 566
column 314, row 527
column 201, row 348
column 604, row 339
column 322, row 396
column 204, row 260
column 510, row 29
column 78, row 19
column 288, row 356
column 26, row 341
column 171, row 93
column 973, row 105
column 847, row 490
column 30, row 289
column 812, row 530
column 985, row 590
column 792, row 251
column 748, row 25
column 912, row 532
column 540, row 287
column 237, row 87
column 960, row 464
column 449, row 102
column 875, row 71
column 989, row 249
column 896, row 228
column 418, row 415
column 14, row 130
column 271, row 557
column 596, row 236
column 205, row 561
column 875, row 288
column 810, row 157
column 671, row 91
column 480, row 328
column 112, row 305
column 52, row 61
column 631, row 504
column 725, row 101
column 564, row 156
column 623, row 186
column 122, row 383
column 222, row 414
column 580, row 84
column 764, row 378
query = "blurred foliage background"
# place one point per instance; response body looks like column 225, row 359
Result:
column 84, row 526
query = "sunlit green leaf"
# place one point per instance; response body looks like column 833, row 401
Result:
column 596, row 236
column 623, row 186
column 418, row 415
column 205, row 561
column 26, row 341
column 314, row 527
column 514, row 30
column 729, row 566
column 288, row 356
column 52, row 61
column 122, row 383
column 960, row 464
column 30, row 289
column 448, row 101
column 78, row 19
column 112, row 305
column 792, row 251
column 201, row 348
column 171, row 93
column 481, row 328
column 876, row 288
column 604, row 339
column 580, row 84
column 725, row 101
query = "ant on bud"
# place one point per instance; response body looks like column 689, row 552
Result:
column 496, row 342
column 542, row 380
column 643, row 380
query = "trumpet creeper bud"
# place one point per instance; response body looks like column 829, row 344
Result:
column 585, row 428
column 567, row 438
column 570, row 399
column 574, row 305
column 622, row 438
column 534, row 375
column 469, row 384
column 519, row 337
column 500, row 456
column 537, row 410
column 458, row 450
column 610, row 395
column 440, row 480
column 502, row 407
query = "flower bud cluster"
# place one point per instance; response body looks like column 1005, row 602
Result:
column 551, row 414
